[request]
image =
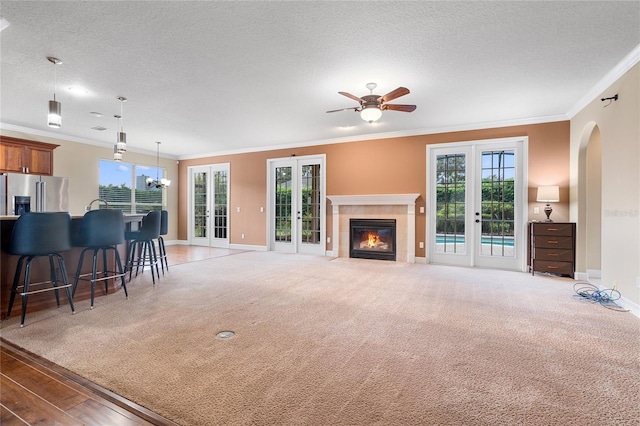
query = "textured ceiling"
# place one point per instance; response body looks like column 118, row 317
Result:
column 210, row 77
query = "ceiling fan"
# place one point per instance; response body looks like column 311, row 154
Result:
column 371, row 106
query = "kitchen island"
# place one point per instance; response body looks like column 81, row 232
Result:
column 40, row 270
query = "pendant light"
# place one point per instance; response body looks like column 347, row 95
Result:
column 158, row 183
column 117, row 156
column 121, row 143
column 55, row 108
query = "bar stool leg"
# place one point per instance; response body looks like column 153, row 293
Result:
column 54, row 279
column 94, row 271
column 25, row 290
column 121, row 271
column 65, row 281
column 16, row 281
column 78, row 271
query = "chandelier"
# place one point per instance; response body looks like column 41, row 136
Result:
column 158, row 183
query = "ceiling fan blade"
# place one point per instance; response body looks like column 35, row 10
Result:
column 400, row 91
column 350, row 96
column 397, row 107
column 345, row 109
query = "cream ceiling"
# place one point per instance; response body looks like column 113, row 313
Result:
column 210, row 77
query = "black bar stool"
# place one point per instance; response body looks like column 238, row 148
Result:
column 99, row 230
column 164, row 230
column 35, row 235
column 142, row 241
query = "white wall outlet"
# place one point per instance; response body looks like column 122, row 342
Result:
column 242, row 236
column 421, row 209
column 421, row 244
column 261, row 209
column 536, row 210
column 238, row 209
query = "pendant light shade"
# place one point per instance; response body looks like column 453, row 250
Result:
column 121, row 137
column 117, row 156
column 54, row 118
column 55, row 113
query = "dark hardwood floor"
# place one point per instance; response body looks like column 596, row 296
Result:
column 34, row 390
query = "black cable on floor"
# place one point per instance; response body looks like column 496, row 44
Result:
column 606, row 297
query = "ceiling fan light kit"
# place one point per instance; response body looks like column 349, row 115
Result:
column 371, row 106
column 370, row 113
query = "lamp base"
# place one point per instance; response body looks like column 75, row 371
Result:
column 547, row 211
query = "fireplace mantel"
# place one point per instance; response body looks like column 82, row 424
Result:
column 373, row 200
column 407, row 201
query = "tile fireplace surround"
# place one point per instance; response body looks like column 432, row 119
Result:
column 401, row 207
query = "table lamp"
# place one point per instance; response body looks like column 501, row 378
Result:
column 548, row 194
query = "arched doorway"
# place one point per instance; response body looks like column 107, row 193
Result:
column 590, row 200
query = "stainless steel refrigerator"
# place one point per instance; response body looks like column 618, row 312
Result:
column 21, row 193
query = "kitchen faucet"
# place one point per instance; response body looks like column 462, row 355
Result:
column 88, row 208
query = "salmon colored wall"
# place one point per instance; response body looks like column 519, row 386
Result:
column 381, row 166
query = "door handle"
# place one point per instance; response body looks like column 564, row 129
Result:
column 477, row 214
column 299, row 216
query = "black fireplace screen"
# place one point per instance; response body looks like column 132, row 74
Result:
column 372, row 239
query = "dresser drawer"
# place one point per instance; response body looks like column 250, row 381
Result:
column 542, row 228
column 550, row 241
column 560, row 268
column 556, row 255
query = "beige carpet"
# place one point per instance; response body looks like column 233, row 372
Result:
column 324, row 341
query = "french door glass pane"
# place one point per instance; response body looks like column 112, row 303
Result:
column 310, row 184
column 450, row 203
column 220, row 179
column 498, row 202
column 200, row 205
column 283, row 204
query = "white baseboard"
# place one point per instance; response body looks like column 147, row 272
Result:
column 176, row 243
column 247, row 247
column 625, row 303
column 594, row 273
column 330, row 253
column 422, row 260
column 581, row 276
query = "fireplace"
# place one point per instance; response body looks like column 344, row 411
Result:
column 372, row 239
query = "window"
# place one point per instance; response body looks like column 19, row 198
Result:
column 123, row 186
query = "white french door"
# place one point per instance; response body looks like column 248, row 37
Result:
column 477, row 203
column 296, row 215
column 208, row 222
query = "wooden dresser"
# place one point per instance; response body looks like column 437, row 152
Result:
column 552, row 248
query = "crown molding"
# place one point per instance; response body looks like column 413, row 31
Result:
column 611, row 77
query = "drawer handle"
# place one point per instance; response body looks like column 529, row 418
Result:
column 552, row 229
column 552, row 241
column 552, row 267
column 552, row 254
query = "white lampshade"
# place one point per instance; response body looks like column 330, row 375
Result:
column 55, row 114
column 165, row 182
column 370, row 113
column 548, row 194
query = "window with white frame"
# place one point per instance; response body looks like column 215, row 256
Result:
column 123, row 186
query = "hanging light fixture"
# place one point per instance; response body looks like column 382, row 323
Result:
column 55, row 108
column 121, row 143
column 117, row 156
column 158, row 183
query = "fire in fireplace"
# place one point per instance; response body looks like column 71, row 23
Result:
column 372, row 239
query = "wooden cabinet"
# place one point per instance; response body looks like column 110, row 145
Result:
column 552, row 248
column 24, row 156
